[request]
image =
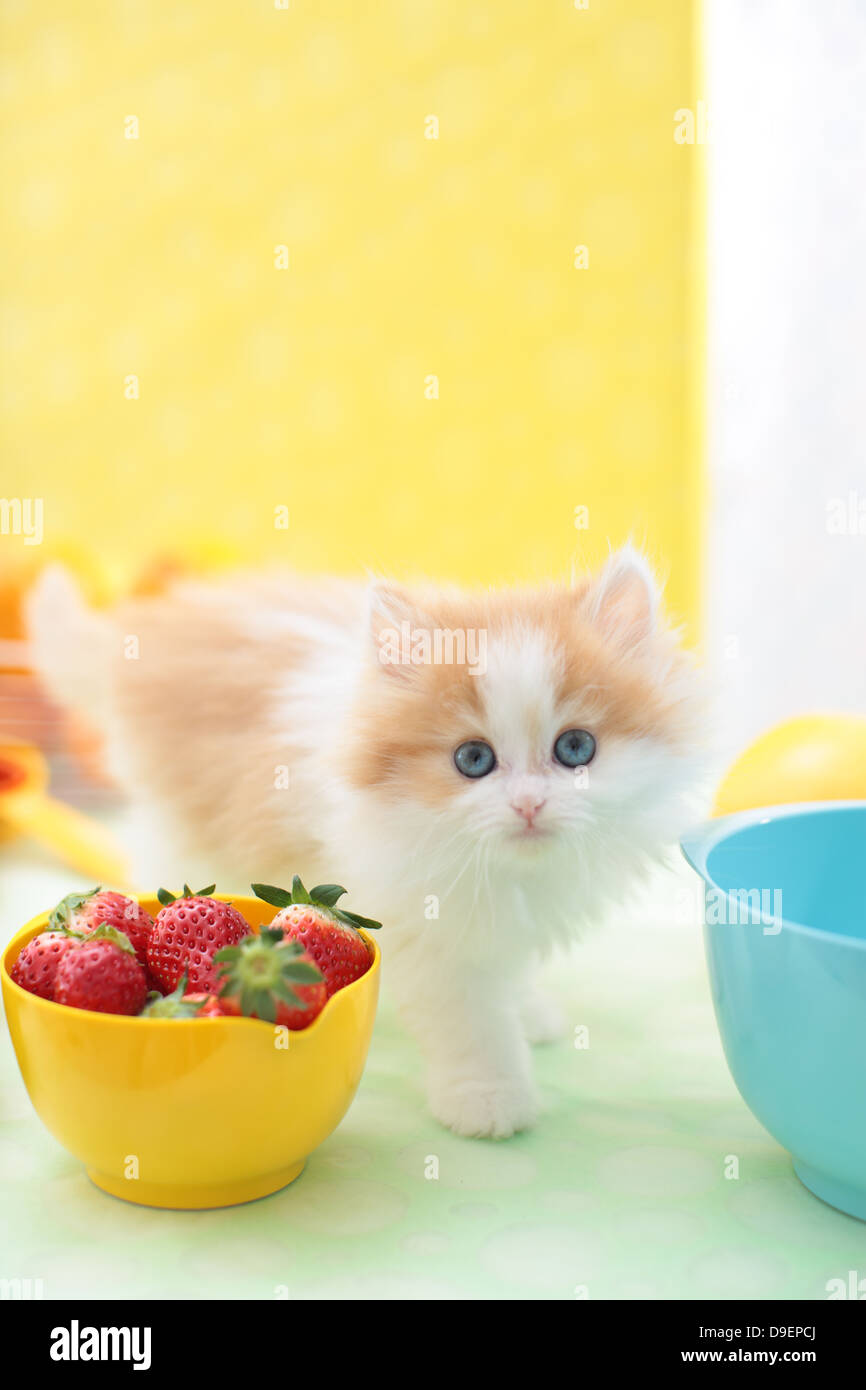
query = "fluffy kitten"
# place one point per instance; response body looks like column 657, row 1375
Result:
column 279, row 726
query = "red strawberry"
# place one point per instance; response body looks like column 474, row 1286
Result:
column 186, row 935
column 36, row 966
column 328, row 934
column 271, row 978
column 207, row 1005
column 178, row 1004
column 84, row 912
column 102, row 974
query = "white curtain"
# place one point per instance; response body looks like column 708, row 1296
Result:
column 786, row 88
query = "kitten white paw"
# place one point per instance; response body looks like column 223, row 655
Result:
column 543, row 1020
column 483, row 1109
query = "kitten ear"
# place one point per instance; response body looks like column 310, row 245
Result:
column 393, row 617
column 622, row 603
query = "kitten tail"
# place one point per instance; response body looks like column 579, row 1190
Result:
column 69, row 644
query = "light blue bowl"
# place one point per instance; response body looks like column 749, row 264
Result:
column 785, row 935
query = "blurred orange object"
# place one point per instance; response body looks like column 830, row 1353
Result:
column 197, row 556
column 26, row 808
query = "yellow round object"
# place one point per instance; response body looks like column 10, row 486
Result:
column 196, row 1112
column 816, row 757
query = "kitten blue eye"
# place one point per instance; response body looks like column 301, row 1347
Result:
column 475, row 758
column 574, row 748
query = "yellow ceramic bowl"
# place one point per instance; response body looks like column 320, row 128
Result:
column 201, row 1112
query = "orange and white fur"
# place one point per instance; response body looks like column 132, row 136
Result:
column 257, row 719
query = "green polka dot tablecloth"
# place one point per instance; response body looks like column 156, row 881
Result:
column 625, row 1189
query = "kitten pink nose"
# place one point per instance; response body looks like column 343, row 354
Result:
column 528, row 804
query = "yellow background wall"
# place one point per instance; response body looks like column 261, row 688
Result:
column 408, row 257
